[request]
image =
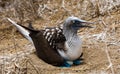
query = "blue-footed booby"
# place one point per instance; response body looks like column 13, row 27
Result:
column 56, row 45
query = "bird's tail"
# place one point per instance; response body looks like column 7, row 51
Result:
column 22, row 29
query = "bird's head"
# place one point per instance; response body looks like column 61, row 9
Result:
column 74, row 23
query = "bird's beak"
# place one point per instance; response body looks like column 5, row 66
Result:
column 86, row 24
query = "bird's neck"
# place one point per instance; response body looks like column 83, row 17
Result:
column 72, row 45
column 70, row 34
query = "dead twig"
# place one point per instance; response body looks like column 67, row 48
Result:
column 107, row 53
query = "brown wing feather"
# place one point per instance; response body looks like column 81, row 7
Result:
column 44, row 51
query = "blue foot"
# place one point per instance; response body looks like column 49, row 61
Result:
column 77, row 62
column 65, row 64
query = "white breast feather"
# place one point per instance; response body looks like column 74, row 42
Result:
column 72, row 52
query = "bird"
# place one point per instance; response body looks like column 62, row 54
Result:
column 59, row 46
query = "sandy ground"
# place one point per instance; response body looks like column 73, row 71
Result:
column 101, row 47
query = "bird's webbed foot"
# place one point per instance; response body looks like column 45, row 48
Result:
column 76, row 62
column 66, row 64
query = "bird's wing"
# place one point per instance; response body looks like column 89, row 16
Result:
column 55, row 37
column 43, row 50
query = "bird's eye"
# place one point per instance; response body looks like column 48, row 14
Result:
column 73, row 21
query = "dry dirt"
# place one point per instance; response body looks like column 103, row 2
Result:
column 101, row 44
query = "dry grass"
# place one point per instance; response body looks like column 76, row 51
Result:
column 101, row 45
